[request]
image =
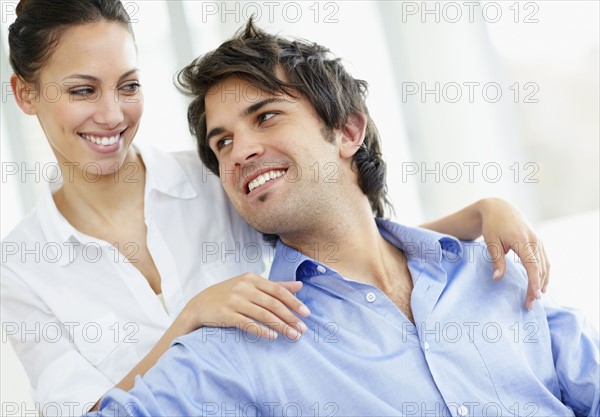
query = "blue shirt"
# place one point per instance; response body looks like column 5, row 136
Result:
column 473, row 350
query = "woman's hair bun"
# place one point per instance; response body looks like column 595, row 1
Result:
column 40, row 24
column 23, row 4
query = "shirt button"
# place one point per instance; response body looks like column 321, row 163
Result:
column 426, row 346
column 371, row 297
column 463, row 411
column 321, row 269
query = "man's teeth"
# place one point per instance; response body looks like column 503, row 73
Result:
column 104, row 141
column 261, row 179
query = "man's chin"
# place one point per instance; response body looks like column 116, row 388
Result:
column 264, row 229
column 273, row 218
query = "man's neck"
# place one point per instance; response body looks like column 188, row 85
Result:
column 352, row 245
column 355, row 248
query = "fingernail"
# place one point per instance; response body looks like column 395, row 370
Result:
column 292, row 333
column 304, row 311
column 538, row 294
column 496, row 274
column 529, row 305
column 302, row 327
column 273, row 334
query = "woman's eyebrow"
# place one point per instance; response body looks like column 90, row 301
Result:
column 96, row 79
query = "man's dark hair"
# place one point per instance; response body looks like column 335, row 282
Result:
column 255, row 56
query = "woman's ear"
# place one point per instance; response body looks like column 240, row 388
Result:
column 24, row 93
column 353, row 134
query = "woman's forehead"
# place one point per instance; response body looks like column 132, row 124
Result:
column 95, row 49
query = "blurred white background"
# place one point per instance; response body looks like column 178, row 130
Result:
column 472, row 99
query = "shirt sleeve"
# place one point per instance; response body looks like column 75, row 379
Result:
column 201, row 377
column 63, row 381
column 575, row 348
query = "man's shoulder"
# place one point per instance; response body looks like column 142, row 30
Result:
column 213, row 338
column 225, row 348
column 470, row 276
column 484, row 255
column 235, row 342
column 210, row 334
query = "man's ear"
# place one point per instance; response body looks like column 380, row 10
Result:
column 24, row 93
column 353, row 134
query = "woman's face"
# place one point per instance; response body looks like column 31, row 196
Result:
column 89, row 100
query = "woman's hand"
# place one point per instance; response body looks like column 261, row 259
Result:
column 247, row 301
column 251, row 303
column 503, row 229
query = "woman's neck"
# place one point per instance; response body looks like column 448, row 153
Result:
column 89, row 201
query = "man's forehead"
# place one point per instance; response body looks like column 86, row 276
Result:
column 241, row 90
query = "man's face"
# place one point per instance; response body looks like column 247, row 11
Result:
column 277, row 163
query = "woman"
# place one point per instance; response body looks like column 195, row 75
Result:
column 135, row 247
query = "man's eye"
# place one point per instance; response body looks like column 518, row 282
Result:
column 263, row 117
column 221, row 143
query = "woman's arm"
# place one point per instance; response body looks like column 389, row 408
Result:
column 62, row 379
column 503, row 228
column 240, row 302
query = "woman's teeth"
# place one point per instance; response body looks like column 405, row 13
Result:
column 261, row 179
column 104, row 141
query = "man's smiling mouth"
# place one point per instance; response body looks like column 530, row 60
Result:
column 264, row 178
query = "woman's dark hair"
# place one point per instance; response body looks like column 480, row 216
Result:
column 35, row 33
column 255, row 56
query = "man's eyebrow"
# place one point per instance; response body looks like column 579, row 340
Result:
column 257, row 106
column 214, row 132
column 96, row 79
column 247, row 112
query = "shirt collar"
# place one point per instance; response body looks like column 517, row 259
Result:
column 55, row 227
column 287, row 262
column 163, row 173
column 420, row 244
column 417, row 243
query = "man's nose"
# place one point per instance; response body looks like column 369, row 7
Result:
column 246, row 148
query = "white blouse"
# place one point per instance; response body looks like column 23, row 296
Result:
column 80, row 316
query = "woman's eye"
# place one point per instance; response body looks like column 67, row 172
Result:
column 131, row 87
column 81, row 91
column 263, row 117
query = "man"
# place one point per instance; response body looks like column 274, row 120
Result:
column 390, row 332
